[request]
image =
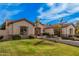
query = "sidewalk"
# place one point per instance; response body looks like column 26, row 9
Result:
column 69, row 42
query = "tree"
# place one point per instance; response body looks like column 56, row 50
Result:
column 77, row 27
column 61, row 24
column 3, row 26
column 37, row 22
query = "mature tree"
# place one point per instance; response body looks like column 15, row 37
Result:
column 37, row 22
column 77, row 27
column 2, row 27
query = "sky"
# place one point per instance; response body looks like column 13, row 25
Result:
column 47, row 13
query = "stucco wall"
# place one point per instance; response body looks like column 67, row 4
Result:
column 50, row 31
column 15, row 27
column 40, row 26
column 66, row 30
column 3, row 32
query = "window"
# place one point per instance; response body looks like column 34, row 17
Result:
column 71, row 31
column 23, row 30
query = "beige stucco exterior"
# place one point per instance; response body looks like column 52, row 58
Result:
column 40, row 26
column 14, row 28
column 3, row 32
column 66, row 30
column 49, row 30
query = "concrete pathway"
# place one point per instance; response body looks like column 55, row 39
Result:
column 69, row 42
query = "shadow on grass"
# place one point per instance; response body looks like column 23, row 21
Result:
column 44, row 42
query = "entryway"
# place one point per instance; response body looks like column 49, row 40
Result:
column 38, row 31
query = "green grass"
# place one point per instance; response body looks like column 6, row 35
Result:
column 36, row 47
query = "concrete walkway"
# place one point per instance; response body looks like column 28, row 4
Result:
column 69, row 42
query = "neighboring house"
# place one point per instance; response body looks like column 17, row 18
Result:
column 68, row 30
column 64, row 30
column 49, row 30
column 39, row 29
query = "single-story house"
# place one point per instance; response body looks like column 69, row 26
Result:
column 24, row 28
column 64, row 30
column 49, row 30
column 68, row 30
column 21, row 27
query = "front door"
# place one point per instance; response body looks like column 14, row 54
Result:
column 38, row 31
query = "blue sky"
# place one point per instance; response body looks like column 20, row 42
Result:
column 48, row 13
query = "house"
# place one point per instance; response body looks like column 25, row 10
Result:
column 49, row 30
column 25, row 28
column 18, row 27
column 63, row 30
column 68, row 30
column 21, row 27
column 39, row 28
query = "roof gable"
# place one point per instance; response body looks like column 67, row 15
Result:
column 21, row 20
column 67, row 25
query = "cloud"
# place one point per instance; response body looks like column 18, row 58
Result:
column 56, row 12
column 40, row 10
column 50, row 4
column 73, row 20
column 6, row 14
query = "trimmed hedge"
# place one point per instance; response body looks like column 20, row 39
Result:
column 31, row 36
column 1, row 37
column 16, row 37
column 48, row 35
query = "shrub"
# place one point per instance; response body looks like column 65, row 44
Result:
column 45, row 33
column 52, row 35
column 48, row 35
column 31, row 36
column 16, row 37
column 77, row 35
column 1, row 37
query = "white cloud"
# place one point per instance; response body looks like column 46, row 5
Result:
column 40, row 10
column 50, row 4
column 52, row 13
column 6, row 14
column 73, row 20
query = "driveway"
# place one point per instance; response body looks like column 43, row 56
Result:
column 69, row 42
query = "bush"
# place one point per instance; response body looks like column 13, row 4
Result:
column 31, row 36
column 48, row 35
column 45, row 33
column 77, row 35
column 16, row 37
column 52, row 35
column 1, row 37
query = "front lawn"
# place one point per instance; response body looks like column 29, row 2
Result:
column 36, row 47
